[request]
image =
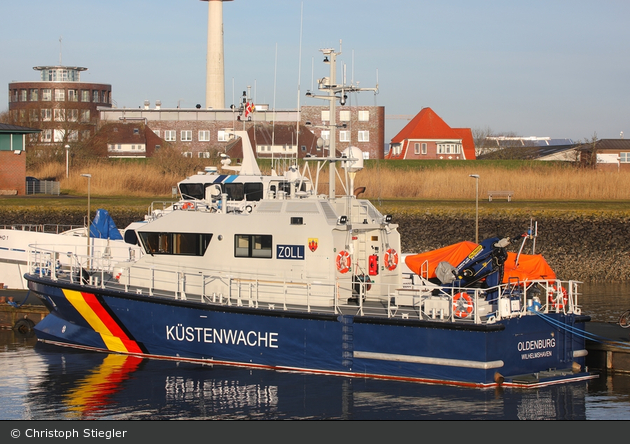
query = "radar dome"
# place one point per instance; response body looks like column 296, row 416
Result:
column 352, row 166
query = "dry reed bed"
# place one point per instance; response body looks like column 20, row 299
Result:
column 455, row 183
column 141, row 180
column 437, row 183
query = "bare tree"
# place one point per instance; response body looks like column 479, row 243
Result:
column 482, row 143
column 588, row 152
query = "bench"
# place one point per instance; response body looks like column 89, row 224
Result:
column 507, row 194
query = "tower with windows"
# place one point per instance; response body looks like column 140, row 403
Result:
column 63, row 107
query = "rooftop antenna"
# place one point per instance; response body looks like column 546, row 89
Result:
column 60, row 49
column 275, row 75
column 297, row 129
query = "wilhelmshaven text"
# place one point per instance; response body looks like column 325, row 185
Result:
column 540, row 344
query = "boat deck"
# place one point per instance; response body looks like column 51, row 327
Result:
column 385, row 308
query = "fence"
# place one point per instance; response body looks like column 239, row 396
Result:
column 42, row 187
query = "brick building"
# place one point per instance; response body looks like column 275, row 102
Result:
column 13, row 158
column 605, row 154
column 128, row 139
column 364, row 127
column 277, row 141
column 204, row 132
column 63, row 107
column 427, row 136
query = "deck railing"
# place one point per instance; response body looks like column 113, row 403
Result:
column 42, row 228
column 423, row 301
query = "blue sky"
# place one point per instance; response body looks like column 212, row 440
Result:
column 549, row 68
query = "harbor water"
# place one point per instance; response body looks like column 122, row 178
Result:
column 43, row 382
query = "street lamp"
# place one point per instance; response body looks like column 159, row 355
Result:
column 476, row 177
column 67, row 150
column 89, row 176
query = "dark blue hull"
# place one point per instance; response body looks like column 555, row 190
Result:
column 525, row 351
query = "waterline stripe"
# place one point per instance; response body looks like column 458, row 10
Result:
column 429, row 360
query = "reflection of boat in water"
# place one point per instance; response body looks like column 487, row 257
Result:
column 88, row 385
column 263, row 271
column 105, row 241
column 96, row 389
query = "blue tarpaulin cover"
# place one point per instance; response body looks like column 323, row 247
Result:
column 103, row 226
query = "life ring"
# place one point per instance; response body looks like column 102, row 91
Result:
column 343, row 261
column 556, row 302
column 188, row 205
column 462, row 305
column 391, row 259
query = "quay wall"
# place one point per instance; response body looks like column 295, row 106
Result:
column 586, row 247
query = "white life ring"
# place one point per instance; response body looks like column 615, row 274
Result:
column 556, row 302
column 391, row 259
column 343, row 261
column 462, row 305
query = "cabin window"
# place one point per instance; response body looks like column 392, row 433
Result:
column 281, row 186
column 234, row 191
column 253, row 191
column 184, row 244
column 192, row 190
column 253, row 245
column 624, row 157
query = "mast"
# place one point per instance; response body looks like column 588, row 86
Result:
column 335, row 93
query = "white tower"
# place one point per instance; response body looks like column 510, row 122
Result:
column 215, row 75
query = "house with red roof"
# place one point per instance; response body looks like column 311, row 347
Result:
column 427, row 136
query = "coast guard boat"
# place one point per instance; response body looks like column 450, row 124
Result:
column 262, row 271
column 103, row 239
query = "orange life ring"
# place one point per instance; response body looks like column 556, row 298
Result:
column 391, row 259
column 558, row 303
column 343, row 261
column 187, row 205
column 462, row 305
